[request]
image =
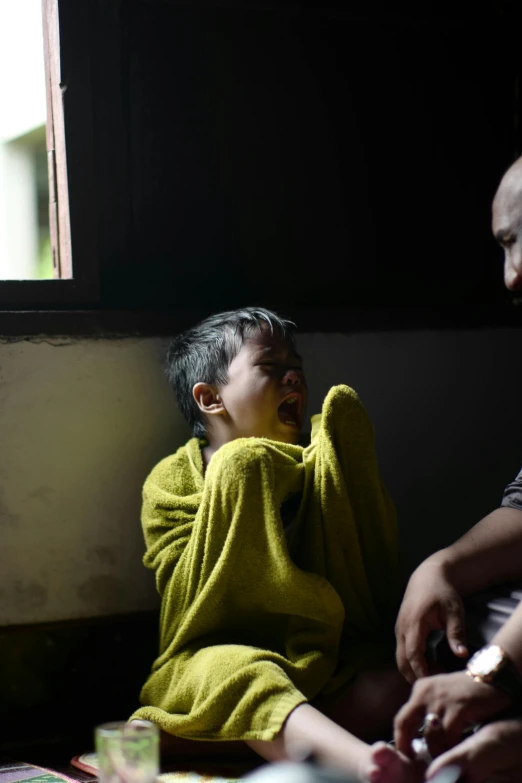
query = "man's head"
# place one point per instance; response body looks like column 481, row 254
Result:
column 237, row 374
column 507, row 224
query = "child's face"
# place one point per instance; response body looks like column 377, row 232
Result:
column 266, row 393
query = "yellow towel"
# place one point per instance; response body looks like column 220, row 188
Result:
column 254, row 622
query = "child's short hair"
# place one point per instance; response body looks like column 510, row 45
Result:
column 204, row 353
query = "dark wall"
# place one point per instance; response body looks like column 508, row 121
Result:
column 59, row 680
column 298, row 157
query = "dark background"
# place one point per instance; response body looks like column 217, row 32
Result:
column 305, row 158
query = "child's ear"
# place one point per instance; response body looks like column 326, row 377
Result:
column 208, row 399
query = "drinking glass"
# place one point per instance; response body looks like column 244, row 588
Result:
column 127, row 752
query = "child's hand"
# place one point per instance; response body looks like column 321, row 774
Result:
column 430, row 603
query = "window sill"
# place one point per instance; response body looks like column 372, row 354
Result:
column 124, row 323
column 32, row 294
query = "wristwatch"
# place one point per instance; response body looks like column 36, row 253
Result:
column 492, row 665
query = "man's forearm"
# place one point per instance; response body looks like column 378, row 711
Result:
column 488, row 554
column 510, row 637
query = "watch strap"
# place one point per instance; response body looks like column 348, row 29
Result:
column 508, row 680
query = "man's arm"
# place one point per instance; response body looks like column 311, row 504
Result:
column 490, row 553
column 457, row 700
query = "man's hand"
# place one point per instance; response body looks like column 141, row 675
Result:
column 430, row 603
column 494, row 750
column 454, row 702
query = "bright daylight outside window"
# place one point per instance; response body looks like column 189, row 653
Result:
column 25, row 252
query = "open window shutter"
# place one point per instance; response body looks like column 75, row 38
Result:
column 60, row 231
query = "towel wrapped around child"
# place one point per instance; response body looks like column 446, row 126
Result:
column 255, row 619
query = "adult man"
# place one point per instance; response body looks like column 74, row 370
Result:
column 507, row 224
column 489, row 554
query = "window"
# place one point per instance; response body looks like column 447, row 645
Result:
column 36, row 265
column 25, row 251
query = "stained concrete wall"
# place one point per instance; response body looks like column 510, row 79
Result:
column 83, row 421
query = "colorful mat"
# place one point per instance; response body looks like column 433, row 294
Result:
column 16, row 772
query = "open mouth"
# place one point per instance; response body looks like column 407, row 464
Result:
column 290, row 410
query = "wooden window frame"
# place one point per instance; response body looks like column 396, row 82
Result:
column 71, row 187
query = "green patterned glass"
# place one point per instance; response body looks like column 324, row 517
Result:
column 127, row 752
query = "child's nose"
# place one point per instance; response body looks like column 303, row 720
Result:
column 292, row 378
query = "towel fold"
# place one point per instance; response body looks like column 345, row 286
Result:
column 254, row 623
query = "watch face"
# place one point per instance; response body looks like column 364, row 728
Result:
column 486, row 661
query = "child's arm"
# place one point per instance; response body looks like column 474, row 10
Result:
column 170, row 504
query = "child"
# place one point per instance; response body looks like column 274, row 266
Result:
column 276, row 563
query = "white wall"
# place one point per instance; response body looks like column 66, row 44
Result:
column 82, row 422
column 23, row 108
column 22, row 70
column 18, row 212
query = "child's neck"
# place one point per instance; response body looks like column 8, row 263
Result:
column 217, row 436
column 214, row 442
column 207, row 453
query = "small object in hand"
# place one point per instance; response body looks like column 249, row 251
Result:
column 431, row 721
column 450, row 774
column 421, row 751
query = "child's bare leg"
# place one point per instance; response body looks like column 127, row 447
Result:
column 367, row 706
column 333, row 746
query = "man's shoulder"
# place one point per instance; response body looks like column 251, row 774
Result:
column 513, row 493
